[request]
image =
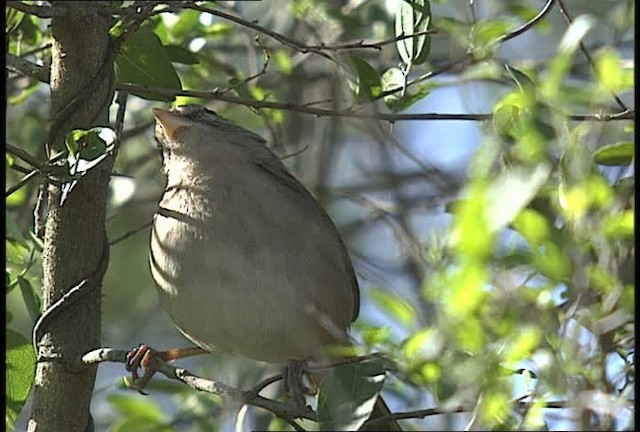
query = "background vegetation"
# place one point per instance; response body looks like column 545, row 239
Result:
column 477, row 157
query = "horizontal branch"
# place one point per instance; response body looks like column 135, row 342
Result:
column 417, row 414
column 285, row 411
column 19, row 65
column 348, row 113
column 39, row 11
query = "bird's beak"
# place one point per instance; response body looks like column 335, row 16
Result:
column 170, row 121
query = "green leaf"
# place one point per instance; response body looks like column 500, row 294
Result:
column 395, row 306
column 31, row 299
column 14, row 18
column 391, row 79
column 134, row 407
column 610, row 72
column 619, row 225
column 485, row 32
column 89, row 144
column 363, row 79
column 188, row 21
column 512, row 191
column 525, row 83
column 20, row 372
column 413, row 16
column 620, row 153
column 283, row 61
column 17, row 253
column 143, row 60
column 178, row 54
column 347, row 395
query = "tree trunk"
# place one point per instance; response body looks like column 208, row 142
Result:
column 75, row 231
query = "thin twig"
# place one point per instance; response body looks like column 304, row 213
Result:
column 349, row 113
column 469, row 56
column 21, row 183
column 285, row 411
column 25, row 156
column 129, row 233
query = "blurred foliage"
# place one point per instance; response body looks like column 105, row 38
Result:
column 527, row 298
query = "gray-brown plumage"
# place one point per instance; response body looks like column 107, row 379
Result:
column 245, row 259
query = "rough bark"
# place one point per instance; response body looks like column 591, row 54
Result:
column 74, row 237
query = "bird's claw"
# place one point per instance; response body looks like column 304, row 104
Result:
column 294, row 385
column 140, row 357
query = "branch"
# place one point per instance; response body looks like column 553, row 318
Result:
column 370, row 45
column 285, row 411
column 469, row 56
column 347, row 113
column 285, row 40
column 24, row 67
column 25, row 156
column 39, row 11
column 18, row 65
column 459, row 409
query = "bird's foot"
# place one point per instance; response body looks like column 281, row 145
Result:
column 294, row 385
column 140, row 357
column 145, row 357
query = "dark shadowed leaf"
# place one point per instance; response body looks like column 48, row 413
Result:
column 178, row 54
column 143, row 60
column 348, row 394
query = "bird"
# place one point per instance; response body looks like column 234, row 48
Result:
column 245, row 259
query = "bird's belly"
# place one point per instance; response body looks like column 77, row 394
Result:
column 226, row 297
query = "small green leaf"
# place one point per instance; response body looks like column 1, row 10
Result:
column 89, row 144
column 178, row 54
column 619, row 225
column 520, row 184
column 17, row 253
column 525, row 83
column 393, row 78
column 485, row 32
column 363, row 79
column 620, row 153
column 20, row 372
column 412, row 17
column 188, row 21
column 31, row 299
column 143, row 60
column 134, row 407
column 283, row 61
column 347, row 395
column 14, row 18
column 532, row 225
column 395, row 306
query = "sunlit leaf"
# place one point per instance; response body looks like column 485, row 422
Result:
column 395, row 306
column 412, row 17
column 520, row 184
column 393, row 78
column 19, row 373
column 619, row 225
column 620, row 153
